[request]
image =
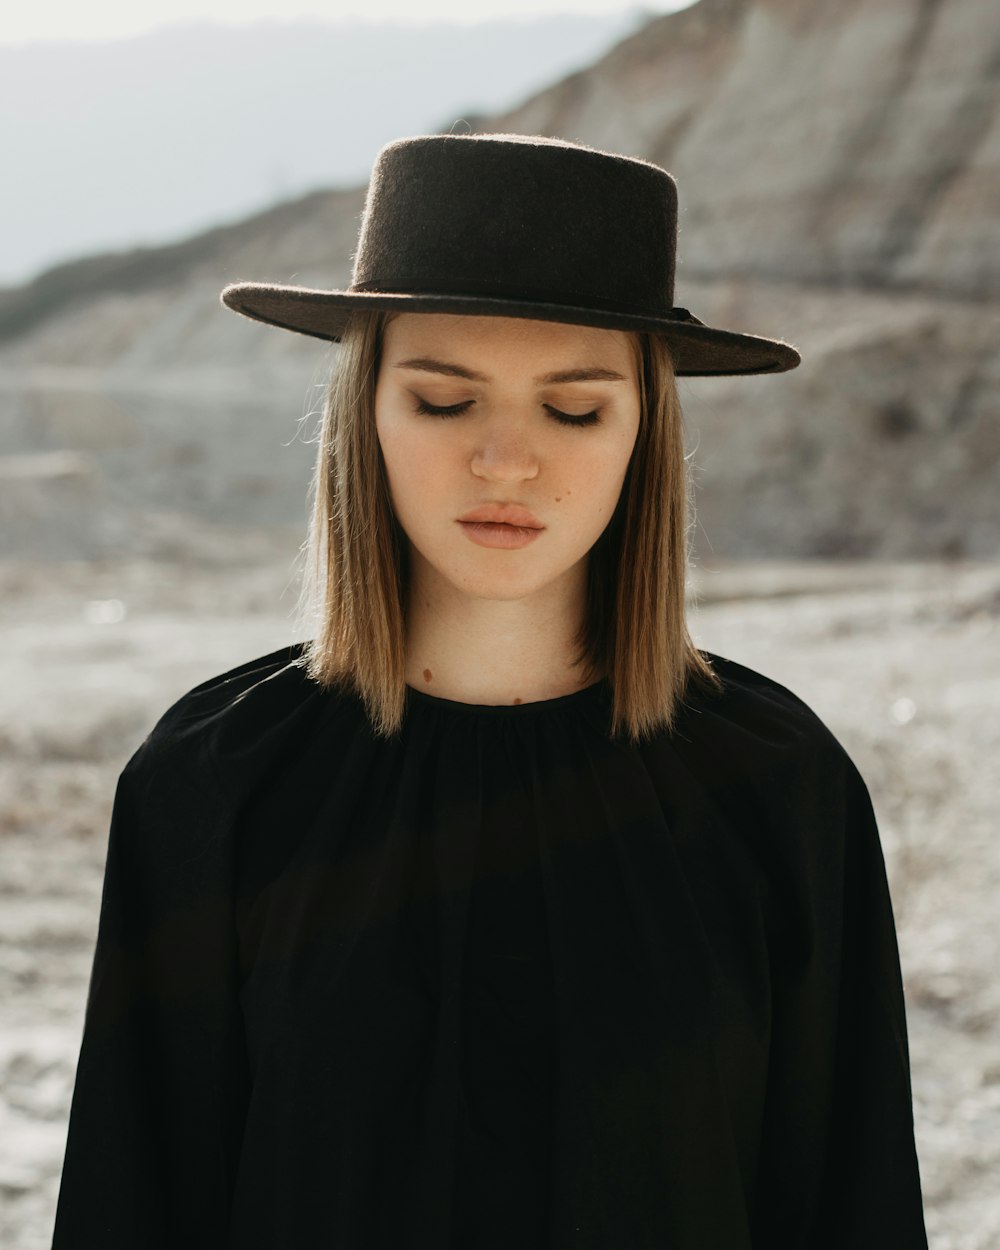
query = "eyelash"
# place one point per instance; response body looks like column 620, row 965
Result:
column 456, row 410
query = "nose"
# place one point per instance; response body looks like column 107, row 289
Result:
column 504, row 453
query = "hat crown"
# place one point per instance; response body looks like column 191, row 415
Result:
column 518, row 226
column 522, row 218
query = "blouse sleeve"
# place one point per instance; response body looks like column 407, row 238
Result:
column 161, row 1084
column 839, row 1165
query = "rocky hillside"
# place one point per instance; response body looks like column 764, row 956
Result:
column 848, row 145
column 839, row 173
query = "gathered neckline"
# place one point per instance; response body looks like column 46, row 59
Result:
column 559, row 702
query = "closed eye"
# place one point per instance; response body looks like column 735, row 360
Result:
column 567, row 418
column 456, row 410
column 450, row 410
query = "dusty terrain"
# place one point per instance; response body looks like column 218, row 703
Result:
column 901, row 660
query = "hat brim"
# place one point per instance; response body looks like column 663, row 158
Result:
column 697, row 350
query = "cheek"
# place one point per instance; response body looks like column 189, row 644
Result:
column 620, row 455
column 600, row 469
column 417, row 469
column 393, row 456
column 403, row 450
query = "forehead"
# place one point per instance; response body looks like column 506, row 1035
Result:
column 477, row 341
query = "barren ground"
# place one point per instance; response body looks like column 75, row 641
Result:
column 902, row 661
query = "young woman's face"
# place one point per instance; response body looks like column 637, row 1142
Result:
column 537, row 415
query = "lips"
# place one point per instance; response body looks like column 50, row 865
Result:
column 504, row 514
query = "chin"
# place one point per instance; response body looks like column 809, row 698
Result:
column 508, row 586
column 502, row 576
column 508, row 576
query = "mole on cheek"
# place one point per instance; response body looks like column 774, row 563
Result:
column 427, row 674
column 517, row 700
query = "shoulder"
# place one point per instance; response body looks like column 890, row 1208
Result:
column 747, row 692
column 174, row 818
column 757, row 729
column 757, row 760
column 222, row 731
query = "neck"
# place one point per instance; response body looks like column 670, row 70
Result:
column 495, row 651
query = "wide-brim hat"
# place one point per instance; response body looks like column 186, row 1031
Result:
column 518, row 226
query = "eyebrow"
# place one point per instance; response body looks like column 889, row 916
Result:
column 426, row 364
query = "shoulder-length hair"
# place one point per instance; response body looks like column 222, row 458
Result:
column 355, row 587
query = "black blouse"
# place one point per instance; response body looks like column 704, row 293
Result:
column 498, row 982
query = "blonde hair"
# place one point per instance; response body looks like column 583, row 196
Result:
column 355, row 587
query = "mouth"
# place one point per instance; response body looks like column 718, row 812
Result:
column 500, row 533
column 503, row 514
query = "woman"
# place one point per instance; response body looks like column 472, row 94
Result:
column 497, row 914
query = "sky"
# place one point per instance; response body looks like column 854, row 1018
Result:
column 100, row 20
column 106, row 147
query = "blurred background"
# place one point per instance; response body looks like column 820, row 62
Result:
column 839, row 176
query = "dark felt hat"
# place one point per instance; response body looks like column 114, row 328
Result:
column 518, row 226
